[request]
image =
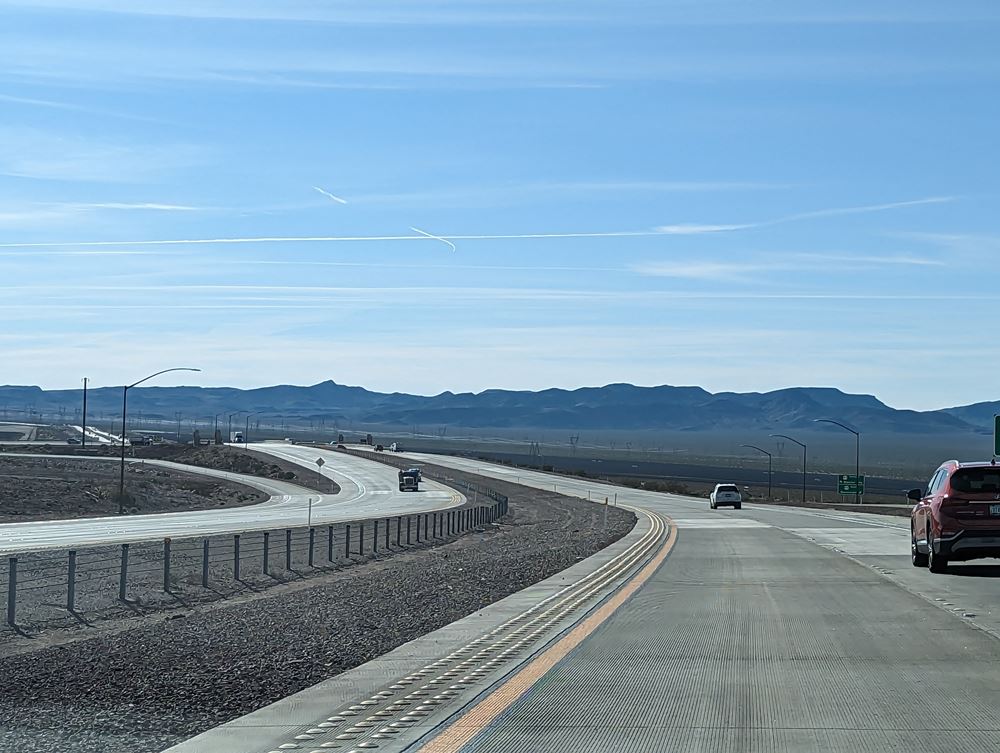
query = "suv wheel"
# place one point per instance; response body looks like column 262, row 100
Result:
column 918, row 558
column 937, row 563
column 738, row 506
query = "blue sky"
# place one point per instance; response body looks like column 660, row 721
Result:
column 739, row 195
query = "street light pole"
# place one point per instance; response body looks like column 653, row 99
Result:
column 215, row 435
column 246, row 433
column 231, row 424
column 802, row 445
column 83, row 440
column 857, row 453
column 769, row 472
column 121, row 470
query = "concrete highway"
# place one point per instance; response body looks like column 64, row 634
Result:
column 367, row 489
column 765, row 629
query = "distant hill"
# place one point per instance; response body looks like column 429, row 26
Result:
column 614, row 406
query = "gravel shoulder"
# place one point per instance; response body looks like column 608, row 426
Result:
column 57, row 488
column 163, row 681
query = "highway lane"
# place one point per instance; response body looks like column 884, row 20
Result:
column 769, row 629
column 367, row 489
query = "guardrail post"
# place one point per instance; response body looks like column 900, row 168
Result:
column 166, row 566
column 387, row 523
column 123, row 573
column 312, row 545
column 375, row 537
column 409, row 520
column 267, row 553
column 288, row 548
column 347, row 540
column 71, row 583
column 434, row 526
column 236, row 556
column 418, row 529
column 12, row 591
column 399, row 530
column 329, row 543
column 361, row 539
column 204, row 563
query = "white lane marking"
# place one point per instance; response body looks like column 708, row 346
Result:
column 857, row 541
column 719, row 523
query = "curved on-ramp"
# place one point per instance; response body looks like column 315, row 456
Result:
column 367, row 489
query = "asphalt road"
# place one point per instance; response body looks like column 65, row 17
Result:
column 769, row 629
column 367, row 489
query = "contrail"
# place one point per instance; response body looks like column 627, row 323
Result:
column 658, row 231
column 326, row 239
column 330, row 195
column 435, row 237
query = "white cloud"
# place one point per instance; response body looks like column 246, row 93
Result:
column 700, row 229
column 47, row 155
column 691, row 229
column 760, row 266
column 712, row 271
column 49, row 214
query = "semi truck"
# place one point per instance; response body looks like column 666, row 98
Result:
column 409, row 480
column 236, row 437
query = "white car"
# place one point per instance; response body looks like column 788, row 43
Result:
column 725, row 494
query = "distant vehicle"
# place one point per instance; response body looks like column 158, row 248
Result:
column 236, row 436
column 72, row 440
column 334, row 444
column 958, row 517
column 379, row 448
column 725, row 494
column 409, row 480
column 394, row 447
column 289, row 440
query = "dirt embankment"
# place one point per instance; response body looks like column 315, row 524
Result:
column 235, row 460
column 49, row 488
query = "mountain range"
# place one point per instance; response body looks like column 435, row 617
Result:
column 612, row 407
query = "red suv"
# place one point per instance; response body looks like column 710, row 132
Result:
column 958, row 517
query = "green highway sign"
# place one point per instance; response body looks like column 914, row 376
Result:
column 850, row 484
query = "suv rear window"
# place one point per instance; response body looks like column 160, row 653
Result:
column 976, row 481
column 728, row 489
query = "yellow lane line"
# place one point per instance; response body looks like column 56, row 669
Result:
column 489, row 708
